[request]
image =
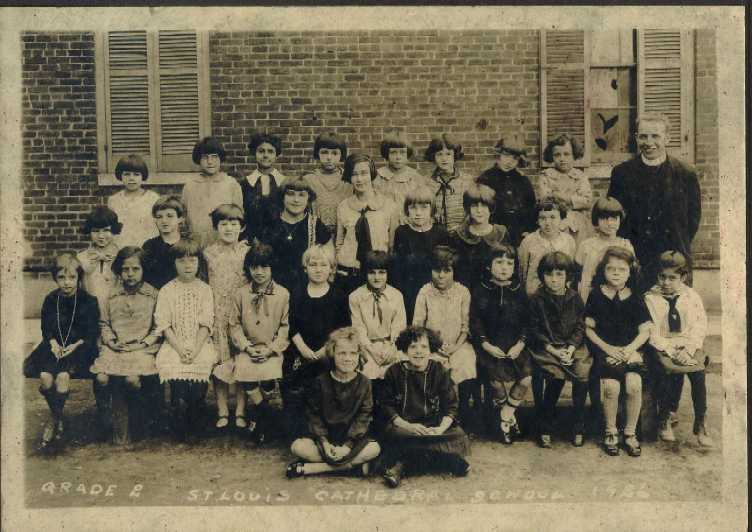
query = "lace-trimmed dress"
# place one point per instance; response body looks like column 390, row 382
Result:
column 225, row 264
column 185, row 307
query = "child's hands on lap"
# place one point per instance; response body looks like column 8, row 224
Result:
column 515, row 350
column 493, row 350
column 56, row 348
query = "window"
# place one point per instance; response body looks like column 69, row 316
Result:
column 595, row 84
column 152, row 99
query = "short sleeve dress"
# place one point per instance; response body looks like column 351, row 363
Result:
column 225, row 265
column 185, row 307
column 135, row 215
column 617, row 322
column 447, row 312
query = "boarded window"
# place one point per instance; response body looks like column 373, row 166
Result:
column 152, row 99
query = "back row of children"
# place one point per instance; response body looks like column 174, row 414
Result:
column 432, row 287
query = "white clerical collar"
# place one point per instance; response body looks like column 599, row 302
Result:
column 653, row 162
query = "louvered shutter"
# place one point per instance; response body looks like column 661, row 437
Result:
column 564, row 87
column 178, row 98
column 665, row 84
column 127, row 80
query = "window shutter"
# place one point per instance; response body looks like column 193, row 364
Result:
column 178, row 97
column 127, row 80
column 564, row 87
column 665, row 84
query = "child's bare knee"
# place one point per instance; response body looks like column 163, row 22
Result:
column 633, row 383
column 526, row 381
column 46, row 380
column 610, row 388
column 62, row 382
column 103, row 379
column 133, row 382
column 370, row 451
column 298, row 447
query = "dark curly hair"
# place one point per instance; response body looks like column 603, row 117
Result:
column 414, row 333
column 562, row 140
column 438, row 143
column 259, row 138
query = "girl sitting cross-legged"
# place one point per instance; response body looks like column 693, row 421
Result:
column 338, row 409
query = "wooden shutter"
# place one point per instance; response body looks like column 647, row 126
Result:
column 177, row 98
column 665, row 84
column 152, row 98
column 564, row 87
column 127, row 81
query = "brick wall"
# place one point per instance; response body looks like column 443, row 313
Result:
column 706, row 246
column 59, row 131
column 473, row 84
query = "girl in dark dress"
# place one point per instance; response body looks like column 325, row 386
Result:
column 618, row 325
column 515, row 197
column 413, row 244
column 419, row 405
column 315, row 311
column 339, row 404
column 260, row 187
column 70, row 326
column 473, row 239
column 557, row 330
column 294, row 230
column 498, row 326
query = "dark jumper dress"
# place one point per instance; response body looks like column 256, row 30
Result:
column 340, row 413
column 85, row 327
column 499, row 315
column 421, row 397
column 617, row 323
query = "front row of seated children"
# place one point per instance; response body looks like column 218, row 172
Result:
column 513, row 336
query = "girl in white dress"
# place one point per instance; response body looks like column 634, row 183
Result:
column 185, row 315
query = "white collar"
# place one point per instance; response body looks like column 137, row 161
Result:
column 654, row 162
column 610, row 293
column 254, row 176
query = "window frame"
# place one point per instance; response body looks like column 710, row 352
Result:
column 106, row 175
column 686, row 149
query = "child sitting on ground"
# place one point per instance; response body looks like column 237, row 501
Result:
column 419, row 405
column 339, row 407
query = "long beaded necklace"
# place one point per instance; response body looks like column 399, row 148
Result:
column 64, row 341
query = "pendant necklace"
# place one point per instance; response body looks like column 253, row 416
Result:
column 64, row 341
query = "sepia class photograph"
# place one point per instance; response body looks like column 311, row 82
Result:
column 411, row 266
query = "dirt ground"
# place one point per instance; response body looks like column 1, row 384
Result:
column 227, row 470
